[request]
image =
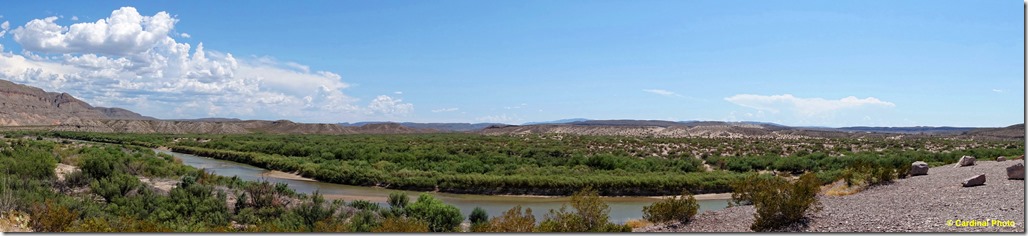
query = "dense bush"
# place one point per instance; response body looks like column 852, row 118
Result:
column 591, row 215
column 680, row 209
column 398, row 200
column 314, row 210
column 513, row 220
column 364, row 221
column 478, row 216
column 440, row 216
column 779, row 203
column 402, row 225
column 52, row 217
column 116, row 185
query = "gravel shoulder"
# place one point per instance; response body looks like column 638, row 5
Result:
column 915, row 204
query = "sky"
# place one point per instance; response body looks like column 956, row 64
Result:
column 800, row 63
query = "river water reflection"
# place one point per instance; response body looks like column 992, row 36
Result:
column 621, row 208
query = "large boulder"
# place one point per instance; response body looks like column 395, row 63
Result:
column 1001, row 158
column 1015, row 171
column 918, row 168
column 966, row 161
column 974, row 181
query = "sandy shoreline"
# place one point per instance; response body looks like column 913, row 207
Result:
column 283, row 175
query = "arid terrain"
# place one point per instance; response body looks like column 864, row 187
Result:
column 916, row 204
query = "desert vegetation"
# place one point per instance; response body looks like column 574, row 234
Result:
column 105, row 194
column 560, row 164
column 111, row 190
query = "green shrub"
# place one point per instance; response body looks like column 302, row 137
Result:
column 440, row 216
column 780, row 203
column 478, row 216
column 117, row 185
column 591, row 215
column 398, row 200
column 314, row 210
column 513, row 220
column 681, row 209
column 401, row 225
column 52, row 217
column 363, row 221
column 364, row 205
column 743, row 189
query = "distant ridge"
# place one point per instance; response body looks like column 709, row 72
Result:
column 26, row 107
column 22, row 105
column 446, row 127
column 564, row 121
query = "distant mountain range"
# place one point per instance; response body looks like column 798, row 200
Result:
column 564, row 121
column 447, row 127
column 24, row 106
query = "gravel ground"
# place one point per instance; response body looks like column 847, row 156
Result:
column 916, row 204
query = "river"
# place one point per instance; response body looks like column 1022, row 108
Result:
column 622, row 209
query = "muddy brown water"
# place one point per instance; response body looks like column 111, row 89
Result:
column 622, row 209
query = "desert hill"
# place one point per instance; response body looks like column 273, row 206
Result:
column 22, row 105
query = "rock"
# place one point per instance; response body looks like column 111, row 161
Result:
column 918, row 168
column 1001, row 159
column 966, row 161
column 974, row 181
column 1015, row 171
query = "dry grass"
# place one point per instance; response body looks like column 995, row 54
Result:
column 638, row 223
column 839, row 188
column 14, row 221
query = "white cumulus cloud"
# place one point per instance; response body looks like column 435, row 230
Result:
column 4, row 27
column 130, row 60
column 185, row 35
column 390, row 106
column 803, row 106
column 125, row 32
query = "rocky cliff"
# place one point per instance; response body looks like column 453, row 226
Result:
column 22, row 105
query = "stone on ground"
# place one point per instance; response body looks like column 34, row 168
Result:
column 966, row 161
column 974, row 181
column 1015, row 171
column 918, row 168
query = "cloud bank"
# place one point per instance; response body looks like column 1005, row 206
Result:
column 803, row 106
column 130, row 60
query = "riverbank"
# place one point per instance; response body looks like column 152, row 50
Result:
column 915, row 204
column 284, row 175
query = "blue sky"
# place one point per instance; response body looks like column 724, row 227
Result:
column 823, row 63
